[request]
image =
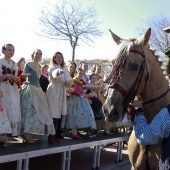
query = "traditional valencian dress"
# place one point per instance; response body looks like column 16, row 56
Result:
column 34, row 108
column 56, row 91
column 79, row 112
column 11, row 98
column 5, row 127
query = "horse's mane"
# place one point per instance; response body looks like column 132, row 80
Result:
column 163, row 68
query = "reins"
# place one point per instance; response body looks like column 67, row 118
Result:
column 154, row 100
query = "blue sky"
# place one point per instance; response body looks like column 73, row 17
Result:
column 19, row 22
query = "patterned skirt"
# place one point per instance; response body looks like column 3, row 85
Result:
column 79, row 114
column 5, row 127
column 35, row 114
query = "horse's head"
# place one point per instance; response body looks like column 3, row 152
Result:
column 128, row 75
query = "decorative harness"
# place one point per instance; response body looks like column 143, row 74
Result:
column 129, row 97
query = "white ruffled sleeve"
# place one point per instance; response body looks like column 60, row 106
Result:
column 53, row 71
column 67, row 76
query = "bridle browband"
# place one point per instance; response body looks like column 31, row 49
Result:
column 129, row 97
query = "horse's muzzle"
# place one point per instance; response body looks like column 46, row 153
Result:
column 111, row 114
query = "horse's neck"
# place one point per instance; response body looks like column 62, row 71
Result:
column 155, row 87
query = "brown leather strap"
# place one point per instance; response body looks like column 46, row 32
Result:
column 119, row 88
column 153, row 100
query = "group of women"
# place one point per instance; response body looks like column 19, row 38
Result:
column 46, row 99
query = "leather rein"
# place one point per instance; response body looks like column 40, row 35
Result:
column 129, row 97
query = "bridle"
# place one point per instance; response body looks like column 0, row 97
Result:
column 129, row 96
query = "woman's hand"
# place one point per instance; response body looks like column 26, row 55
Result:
column 9, row 76
column 60, row 72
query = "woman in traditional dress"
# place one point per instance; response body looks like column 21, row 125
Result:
column 8, row 80
column 56, row 91
column 36, row 116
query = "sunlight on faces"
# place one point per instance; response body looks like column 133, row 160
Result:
column 59, row 59
column 21, row 64
column 80, row 74
column 45, row 69
column 9, row 51
column 98, row 70
column 37, row 55
column 93, row 79
column 84, row 67
column 71, row 68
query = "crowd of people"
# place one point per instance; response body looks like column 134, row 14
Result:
column 47, row 99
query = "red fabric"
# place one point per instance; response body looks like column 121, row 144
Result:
column 78, row 89
column 22, row 80
column 1, row 109
column 131, row 112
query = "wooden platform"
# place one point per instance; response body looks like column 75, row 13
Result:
column 22, row 152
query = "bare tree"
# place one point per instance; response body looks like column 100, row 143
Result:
column 159, row 39
column 70, row 22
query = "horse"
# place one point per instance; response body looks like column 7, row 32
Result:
column 136, row 71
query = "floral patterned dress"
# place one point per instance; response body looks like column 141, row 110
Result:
column 11, row 98
column 79, row 112
column 36, row 117
column 5, row 127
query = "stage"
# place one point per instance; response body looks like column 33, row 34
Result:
column 22, row 152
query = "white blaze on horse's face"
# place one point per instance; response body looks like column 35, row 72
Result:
column 128, row 72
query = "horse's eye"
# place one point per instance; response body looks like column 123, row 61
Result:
column 134, row 66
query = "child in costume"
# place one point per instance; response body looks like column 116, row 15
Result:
column 79, row 112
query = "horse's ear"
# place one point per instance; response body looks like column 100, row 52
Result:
column 144, row 39
column 115, row 38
